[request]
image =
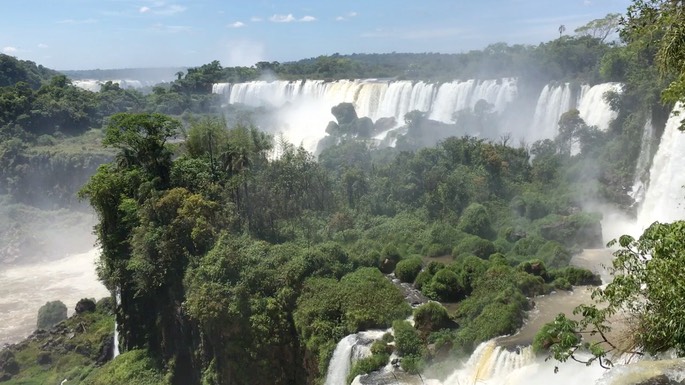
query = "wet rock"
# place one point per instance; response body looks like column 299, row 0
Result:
column 412, row 296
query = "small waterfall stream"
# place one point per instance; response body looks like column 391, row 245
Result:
column 349, row 350
column 115, row 348
column 642, row 167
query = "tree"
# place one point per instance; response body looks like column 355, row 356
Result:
column 601, row 28
column 141, row 141
column 562, row 29
column 571, row 128
column 647, row 290
column 661, row 22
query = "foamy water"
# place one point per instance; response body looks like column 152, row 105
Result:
column 24, row 289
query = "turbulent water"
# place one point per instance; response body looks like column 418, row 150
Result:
column 24, row 289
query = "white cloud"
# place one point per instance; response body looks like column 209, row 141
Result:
column 348, row 15
column 74, row 21
column 289, row 18
column 9, row 50
column 160, row 8
column 255, row 19
column 282, row 18
column 42, row 45
column 237, row 24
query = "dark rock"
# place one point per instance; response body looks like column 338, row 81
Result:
column 8, row 363
column 661, row 379
column 106, row 350
column 344, row 113
column 85, row 305
column 44, row 358
column 384, row 124
column 574, row 231
column 5, row 377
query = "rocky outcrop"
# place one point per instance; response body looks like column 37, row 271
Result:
column 85, row 305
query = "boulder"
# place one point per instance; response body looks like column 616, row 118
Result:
column 8, row 364
column 85, row 305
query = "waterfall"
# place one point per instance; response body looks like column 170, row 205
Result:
column 552, row 103
column 115, row 348
column 304, row 106
column 592, row 106
column 641, row 168
column 664, row 198
column 349, row 350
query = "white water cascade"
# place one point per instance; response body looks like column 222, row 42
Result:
column 304, row 106
column 552, row 103
column 593, row 107
column 350, row 349
column 555, row 100
column 637, row 192
column 493, row 365
column 664, row 200
column 115, row 348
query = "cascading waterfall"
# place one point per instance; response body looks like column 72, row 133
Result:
column 641, row 168
column 305, row 105
column 94, row 85
column 349, row 350
column 593, row 107
column 552, row 103
column 493, row 365
column 664, row 197
column 115, row 348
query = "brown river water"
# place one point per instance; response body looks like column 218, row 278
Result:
column 25, row 288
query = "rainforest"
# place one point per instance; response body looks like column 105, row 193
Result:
column 365, row 218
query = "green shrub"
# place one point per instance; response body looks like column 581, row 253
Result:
column 407, row 269
column 431, row 317
column 132, row 367
column 474, row 245
column 554, row 254
column 562, row 283
column 422, row 279
column 51, row 314
column 475, row 220
column 413, row 364
column 390, row 256
column 407, row 340
column 445, row 286
column 576, row 276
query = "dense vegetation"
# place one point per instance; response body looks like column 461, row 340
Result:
column 237, row 266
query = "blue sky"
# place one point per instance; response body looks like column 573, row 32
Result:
column 88, row 34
